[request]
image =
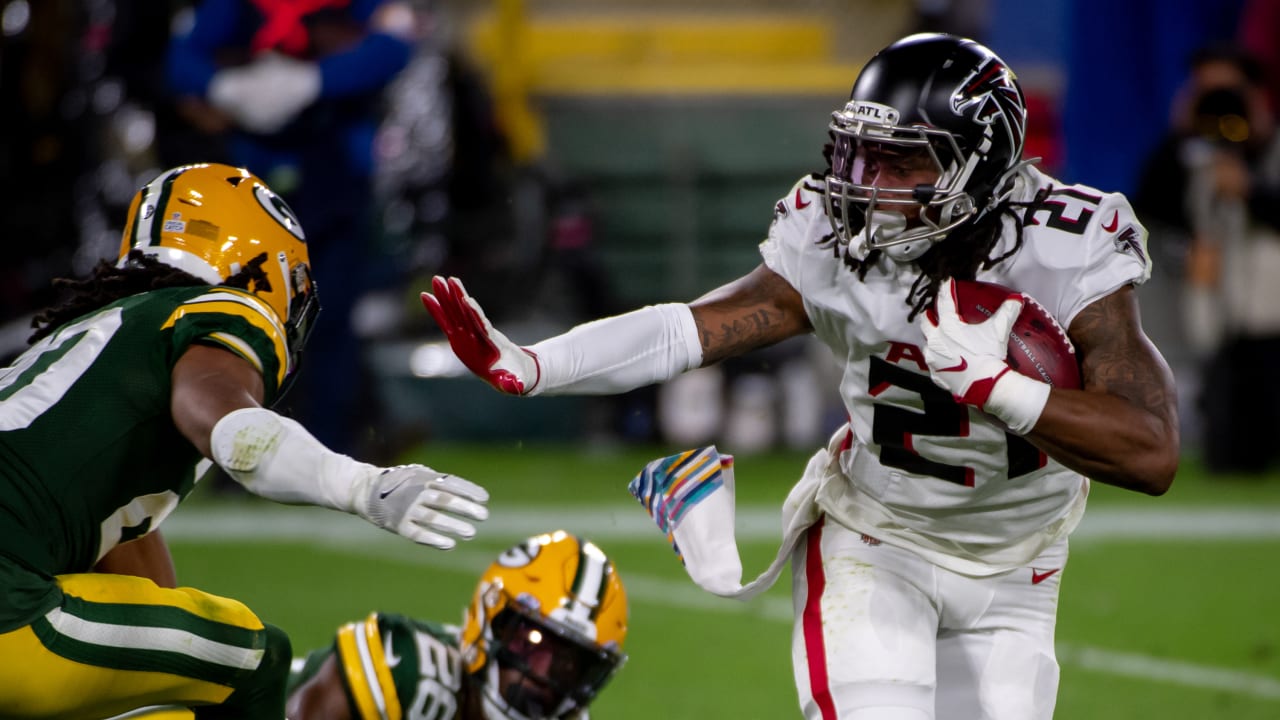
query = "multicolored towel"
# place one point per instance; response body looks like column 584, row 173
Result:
column 690, row 495
column 669, row 488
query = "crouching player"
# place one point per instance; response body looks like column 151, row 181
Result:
column 542, row 636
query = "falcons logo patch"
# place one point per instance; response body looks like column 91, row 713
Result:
column 1128, row 241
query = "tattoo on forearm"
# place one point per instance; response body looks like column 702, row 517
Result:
column 755, row 310
column 736, row 334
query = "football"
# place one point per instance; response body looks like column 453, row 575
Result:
column 1038, row 346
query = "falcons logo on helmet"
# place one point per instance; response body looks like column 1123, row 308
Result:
column 989, row 93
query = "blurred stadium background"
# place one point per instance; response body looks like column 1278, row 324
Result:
column 599, row 155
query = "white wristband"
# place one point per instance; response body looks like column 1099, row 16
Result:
column 1017, row 400
column 276, row 458
column 620, row 353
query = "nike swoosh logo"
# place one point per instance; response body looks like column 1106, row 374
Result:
column 383, row 495
column 1115, row 223
column 964, row 364
column 1039, row 577
column 801, row 204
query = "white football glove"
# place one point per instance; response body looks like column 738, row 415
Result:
column 969, row 361
column 420, row 504
column 265, row 95
column 485, row 351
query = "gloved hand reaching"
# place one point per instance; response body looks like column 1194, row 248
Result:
column 485, row 351
column 420, row 504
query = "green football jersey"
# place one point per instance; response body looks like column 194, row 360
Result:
column 391, row 661
column 89, row 454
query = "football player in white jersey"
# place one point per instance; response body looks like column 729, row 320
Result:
column 928, row 587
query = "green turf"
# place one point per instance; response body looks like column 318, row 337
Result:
column 1201, row 606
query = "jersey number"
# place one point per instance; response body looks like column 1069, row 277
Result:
column 44, row 373
column 893, row 428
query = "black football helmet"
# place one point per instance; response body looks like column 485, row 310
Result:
column 938, row 99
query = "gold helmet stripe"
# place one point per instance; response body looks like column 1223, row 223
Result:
column 146, row 231
column 589, row 583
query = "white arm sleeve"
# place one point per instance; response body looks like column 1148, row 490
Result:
column 619, row 353
column 276, row 458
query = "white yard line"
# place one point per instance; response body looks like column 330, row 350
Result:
column 351, row 536
column 754, row 523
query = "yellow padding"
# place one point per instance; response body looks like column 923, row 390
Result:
column 35, row 682
column 131, row 590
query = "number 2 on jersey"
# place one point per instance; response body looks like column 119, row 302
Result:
column 893, row 428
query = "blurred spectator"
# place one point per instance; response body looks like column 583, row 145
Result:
column 293, row 89
column 1216, row 178
column 1259, row 26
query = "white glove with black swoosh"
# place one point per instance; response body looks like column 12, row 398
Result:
column 421, row 504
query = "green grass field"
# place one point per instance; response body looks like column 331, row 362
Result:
column 1168, row 605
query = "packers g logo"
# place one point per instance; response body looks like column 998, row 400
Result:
column 278, row 210
column 520, row 555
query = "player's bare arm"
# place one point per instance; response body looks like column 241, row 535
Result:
column 754, row 311
column 209, row 383
column 147, row 557
column 1122, row 428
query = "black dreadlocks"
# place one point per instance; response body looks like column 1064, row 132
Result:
column 109, row 283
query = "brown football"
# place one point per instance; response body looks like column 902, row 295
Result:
column 1038, row 346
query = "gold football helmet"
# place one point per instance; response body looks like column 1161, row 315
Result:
column 216, row 221
column 545, row 628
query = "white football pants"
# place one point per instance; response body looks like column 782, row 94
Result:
column 882, row 634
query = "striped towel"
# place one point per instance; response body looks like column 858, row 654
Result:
column 690, row 496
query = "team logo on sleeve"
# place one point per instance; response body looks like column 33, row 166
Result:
column 1129, row 240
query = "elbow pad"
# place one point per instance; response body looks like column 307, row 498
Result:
column 276, row 458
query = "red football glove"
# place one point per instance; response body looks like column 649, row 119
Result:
column 485, row 351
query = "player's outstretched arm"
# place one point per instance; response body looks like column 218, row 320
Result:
column 623, row 352
column 216, row 404
column 754, row 311
column 1122, row 427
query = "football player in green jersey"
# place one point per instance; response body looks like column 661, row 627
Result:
column 149, row 370
column 542, row 636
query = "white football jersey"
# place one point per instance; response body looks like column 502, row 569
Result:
column 922, row 470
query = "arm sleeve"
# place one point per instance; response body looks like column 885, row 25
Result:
column 619, row 353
